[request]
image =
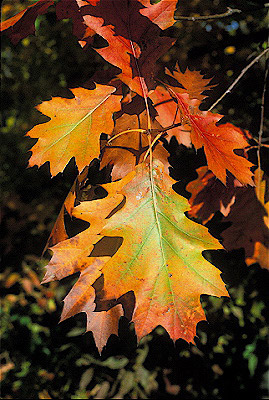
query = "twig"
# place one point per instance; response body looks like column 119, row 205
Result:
column 229, row 12
column 239, row 77
column 261, row 125
column 167, row 129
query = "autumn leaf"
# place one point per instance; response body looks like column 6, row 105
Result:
column 23, row 23
column 162, row 13
column 201, row 128
column 74, row 128
column 245, row 209
column 126, row 151
column 134, row 42
column 219, row 141
column 169, row 114
column 58, row 233
column 192, row 82
column 70, row 9
column 74, row 255
column 209, row 195
column 249, row 224
column 81, row 299
column 157, row 235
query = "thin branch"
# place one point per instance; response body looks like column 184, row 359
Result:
column 256, row 147
column 239, row 77
column 261, row 125
column 169, row 127
column 229, row 12
column 262, row 107
column 164, row 101
column 123, row 133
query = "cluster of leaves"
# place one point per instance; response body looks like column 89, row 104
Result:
column 152, row 272
column 26, row 224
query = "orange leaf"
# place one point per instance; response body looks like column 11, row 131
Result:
column 71, row 255
column 128, row 150
column 23, row 23
column 162, row 13
column 75, row 127
column 219, row 141
column 193, row 82
column 81, row 299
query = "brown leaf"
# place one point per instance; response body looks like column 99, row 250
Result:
column 23, row 23
column 192, row 82
column 249, row 226
column 209, row 195
column 128, row 150
column 70, row 9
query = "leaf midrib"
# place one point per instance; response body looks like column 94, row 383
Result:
column 76, row 124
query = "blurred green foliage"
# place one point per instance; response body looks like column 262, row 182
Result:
column 41, row 359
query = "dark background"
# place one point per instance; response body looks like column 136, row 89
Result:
column 41, row 359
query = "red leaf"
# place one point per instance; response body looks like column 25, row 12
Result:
column 168, row 114
column 219, row 141
column 191, row 82
column 134, row 42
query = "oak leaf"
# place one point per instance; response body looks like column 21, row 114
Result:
column 75, row 127
column 134, row 42
column 157, row 235
column 249, row 223
column 192, row 82
column 70, row 9
column 209, row 195
column 23, row 23
column 74, row 255
column 201, row 128
column 218, row 141
column 81, row 299
column 162, row 13
column 127, row 150
column 169, row 114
